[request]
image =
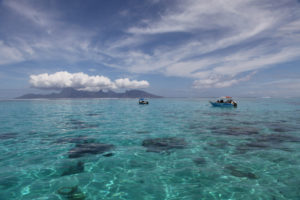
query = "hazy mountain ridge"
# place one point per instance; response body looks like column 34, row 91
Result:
column 72, row 93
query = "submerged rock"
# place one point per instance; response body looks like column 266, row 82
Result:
column 71, row 193
column 6, row 136
column 271, row 141
column 280, row 126
column 238, row 173
column 278, row 138
column 164, row 144
column 89, row 148
column 257, row 145
column 248, row 123
column 280, row 129
column 238, row 131
column 85, row 126
column 7, row 182
column 199, row 161
column 243, row 131
column 195, row 126
column 108, row 155
column 76, row 140
column 219, row 144
column 244, row 148
column 33, row 133
column 141, row 181
column 76, row 169
column 76, row 124
column 143, row 132
column 93, row 114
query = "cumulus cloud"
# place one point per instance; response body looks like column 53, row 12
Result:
column 126, row 83
column 82, row 81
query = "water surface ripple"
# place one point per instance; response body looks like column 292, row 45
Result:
column 170, row 149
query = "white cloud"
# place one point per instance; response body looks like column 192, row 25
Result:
column 92, row 70
column 9, row 54
column 238, row 23
column 220, row 81
column 38, row 17
column 53, row 37
column 292, row 84
column 228, row 38
column 126, row 83
column 82, row 81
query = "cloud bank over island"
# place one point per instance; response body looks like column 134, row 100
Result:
column 83, row 82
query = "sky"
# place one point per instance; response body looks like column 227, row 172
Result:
column 172, row 48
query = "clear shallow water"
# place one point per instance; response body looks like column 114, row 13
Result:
column 251, row 152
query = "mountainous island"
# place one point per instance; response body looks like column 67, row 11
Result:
column 72, row 93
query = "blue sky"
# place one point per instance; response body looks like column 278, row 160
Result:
column 192, row 48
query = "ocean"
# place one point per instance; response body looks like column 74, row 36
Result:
column 171, row 149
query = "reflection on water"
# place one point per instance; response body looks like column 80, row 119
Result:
column 170, row 149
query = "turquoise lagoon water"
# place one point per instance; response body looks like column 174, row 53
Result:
column 100, row 149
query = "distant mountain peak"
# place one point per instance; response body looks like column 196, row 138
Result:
column 73, row 93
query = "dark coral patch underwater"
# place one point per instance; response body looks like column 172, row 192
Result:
column 268, row 142
column 89, row 148
column 77, row 124
column 6, row 136
column 234, row 171
column 236, row 131
column 75, row 140
column 164, row 144
column 71, row 193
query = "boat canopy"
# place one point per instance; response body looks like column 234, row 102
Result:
column 226, row 97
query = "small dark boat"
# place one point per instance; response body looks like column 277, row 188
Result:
column 224, row 102
column 143, row 101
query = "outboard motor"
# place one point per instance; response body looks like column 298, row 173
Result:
column 234, row 104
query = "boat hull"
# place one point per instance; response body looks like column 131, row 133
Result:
column 215, row 104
